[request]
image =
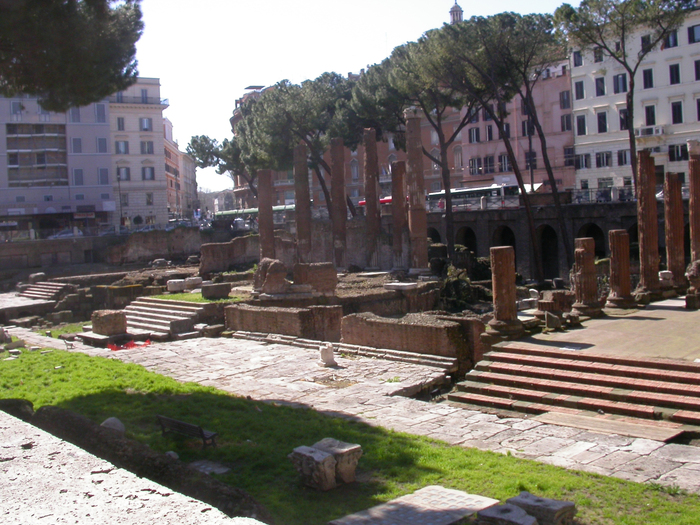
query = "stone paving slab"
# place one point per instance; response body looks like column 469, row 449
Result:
column 44, row 479
column 361, row 388
column 432, row 505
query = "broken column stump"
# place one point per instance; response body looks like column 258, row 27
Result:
column 316, row 467
column 547, row 511
column 505, row 515
column 346, row 456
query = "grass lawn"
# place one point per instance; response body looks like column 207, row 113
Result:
column 255, row 438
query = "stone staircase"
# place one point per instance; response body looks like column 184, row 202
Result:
column 537, row 379
column 162, row 318
column 46, row 291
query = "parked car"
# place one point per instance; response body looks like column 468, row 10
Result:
column 112, row 230
column 67, row 233
column 147, row 228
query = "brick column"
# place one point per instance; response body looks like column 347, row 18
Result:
column 266, row 225
column 302, row 204
column 417, row 216
column 398, row 212
column 620, row 295
column 505, row 312
column 584, row 278
column 369, row 139
column 674, row 228
column 694, row 206
column 340, row 215
column 648, row 225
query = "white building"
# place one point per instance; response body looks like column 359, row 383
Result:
column 666, row 112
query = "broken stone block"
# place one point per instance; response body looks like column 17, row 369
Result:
column 505, row 515
column 109, row 322
column 216, row 291
column 547, row 511
column 37, row 278
column 346, row 456
column 193, row 282
column 176, row 285
column 316, row 467
column 276, row 279
column 551, row 321
column 114, row 424
column 327, row 359
column 15, row 344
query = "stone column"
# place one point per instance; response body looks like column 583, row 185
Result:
column 505, row 312
column 339, row 216
column 302, row 201
column 398, row 211
column 373, row 220
column 620, row 295
column 674, row 228
column 266, row 225
column 648, row 225
column 694, row 205
column 584, row 278
column 417, row 216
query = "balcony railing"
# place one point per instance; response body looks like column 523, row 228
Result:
column 114, row 99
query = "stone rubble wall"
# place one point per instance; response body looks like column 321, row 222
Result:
column 315, row 322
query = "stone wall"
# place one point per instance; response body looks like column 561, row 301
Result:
column 315, row 322
column 222, row 256
column 146, row 246
column 418, row 333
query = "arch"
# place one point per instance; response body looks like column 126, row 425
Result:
column 504, row 236
column 549, row 248
column 434, row 235
column 593, row 230
column 467, row 238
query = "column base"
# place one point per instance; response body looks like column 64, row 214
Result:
column 625, row 303
column 587, row 310
column 511, row 329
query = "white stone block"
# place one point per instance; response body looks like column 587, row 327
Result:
column 176, row 285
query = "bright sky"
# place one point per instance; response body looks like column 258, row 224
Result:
column 207, row 52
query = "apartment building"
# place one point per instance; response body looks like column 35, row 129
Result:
column 54, row 167
column 666, row 111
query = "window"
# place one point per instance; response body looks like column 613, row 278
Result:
column 120, row 123
column 474, row 116
column 19, row 198
column 144, row 96
column 582, row 162
column 16, row 107
column 121, row 147
column 578, row 90
column 646, row 43
column 41, row 159
column 600, row 86
column 148, row 173
column 566, row 122
column 697, row 108
column 677, row 112
column 603, row 159
column 530, row 160
column 74, row 115
column 677, row 152
column 503, row 163
column 650, row 115
column 77, row 145
column 671, row 39
column 434, row 139
column 620, row 83
column 149, row 199
column 103, row 176
column 123, row 173
column 598, row 54
column 104, row 196
column 13, row 159
column 605, row 182
column 693, row 34
column 648, row 78
column 623, row 157
column 485, row 113
column 78, row 177
column 124, row 199
column 100, row 113
column 527, row 128
column 457, row 152
column 578, row 59
column 101, row 145
column 580, row 124
column 435, row 186
column 489, row 164
column 80, row 197
column 564, row 99
column 602, row 118
column 146, row 147
column 355, row 170
column 146, row 124
column 475, row 166
column 473, row 135
column 569, row 156
column 48, row 198
column 674, row 73
column 506, row 129
column 624, row 119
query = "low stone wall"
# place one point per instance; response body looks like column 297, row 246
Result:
column 222, row 256
column 115, row 297
column 316, row 322
column 421, row 334
column 146, row 246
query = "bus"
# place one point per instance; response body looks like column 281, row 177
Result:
column 495, row 196
column 246, row 219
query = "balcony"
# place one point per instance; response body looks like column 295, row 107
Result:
column 155, row 101
column 649, row 131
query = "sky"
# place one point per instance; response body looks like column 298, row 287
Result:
column 207, row 52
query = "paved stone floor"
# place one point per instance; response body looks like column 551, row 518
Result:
column 360, row 388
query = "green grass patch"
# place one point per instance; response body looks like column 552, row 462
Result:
column 197, row 298
column 255, row 438
column 56, row 331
